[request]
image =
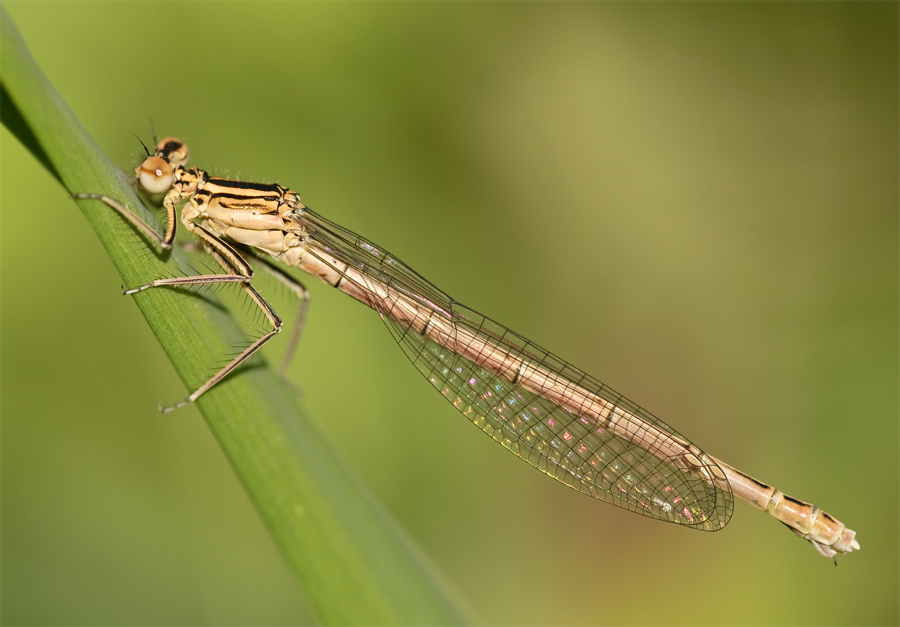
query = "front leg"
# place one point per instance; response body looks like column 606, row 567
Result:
column 164, row 241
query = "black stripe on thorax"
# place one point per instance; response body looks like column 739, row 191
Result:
column 226, row 196
column 260, row 187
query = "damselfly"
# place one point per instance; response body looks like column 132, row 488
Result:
column 554, row 416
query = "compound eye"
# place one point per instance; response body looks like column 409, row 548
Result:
column 156, row 175
column 172, row 149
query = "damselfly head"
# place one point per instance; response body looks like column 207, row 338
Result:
column 157, row 173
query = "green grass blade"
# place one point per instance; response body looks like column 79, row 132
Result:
column 357, row 567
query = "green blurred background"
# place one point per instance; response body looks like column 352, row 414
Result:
column 695, row 202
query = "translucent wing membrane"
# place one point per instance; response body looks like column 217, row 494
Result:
column 552, row 415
